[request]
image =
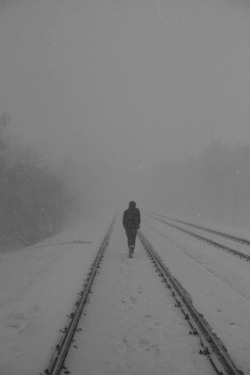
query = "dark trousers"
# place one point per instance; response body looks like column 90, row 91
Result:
column 131, row 234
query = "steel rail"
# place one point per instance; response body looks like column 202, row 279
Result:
column 210, row 230
column 56, row 364
column 205, row 239
column 212, row 346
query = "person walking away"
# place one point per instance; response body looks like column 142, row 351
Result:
column 131, row 223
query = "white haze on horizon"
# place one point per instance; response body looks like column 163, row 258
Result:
column 120, row 85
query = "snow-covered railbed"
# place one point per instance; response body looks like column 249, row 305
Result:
column 218, row 283
column 131, row 325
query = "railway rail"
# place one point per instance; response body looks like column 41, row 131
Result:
column 56, row 364
column 212, row 346
column 228, row 249
column 218, row 233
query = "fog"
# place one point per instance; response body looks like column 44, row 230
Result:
column 119, row 87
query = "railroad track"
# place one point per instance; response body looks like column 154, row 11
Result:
column 59, row 355
column 228, row 249
column 218, row 233
column 212, row 346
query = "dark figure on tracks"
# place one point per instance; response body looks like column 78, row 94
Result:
column 131, row 222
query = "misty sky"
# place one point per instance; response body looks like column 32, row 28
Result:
column 127, row 82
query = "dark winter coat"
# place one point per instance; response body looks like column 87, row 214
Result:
column 131, row 219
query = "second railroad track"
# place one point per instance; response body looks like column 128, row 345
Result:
column 211, row 345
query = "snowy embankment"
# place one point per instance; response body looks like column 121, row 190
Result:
column 218, row 282
column 38, row 287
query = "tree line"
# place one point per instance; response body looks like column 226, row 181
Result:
column 35, row 198
column 214, row 186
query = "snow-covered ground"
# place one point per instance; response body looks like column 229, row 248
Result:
column 131, row 326
column 38, row 286
column 218, row 282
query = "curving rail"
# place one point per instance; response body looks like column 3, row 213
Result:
column 212, row 346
